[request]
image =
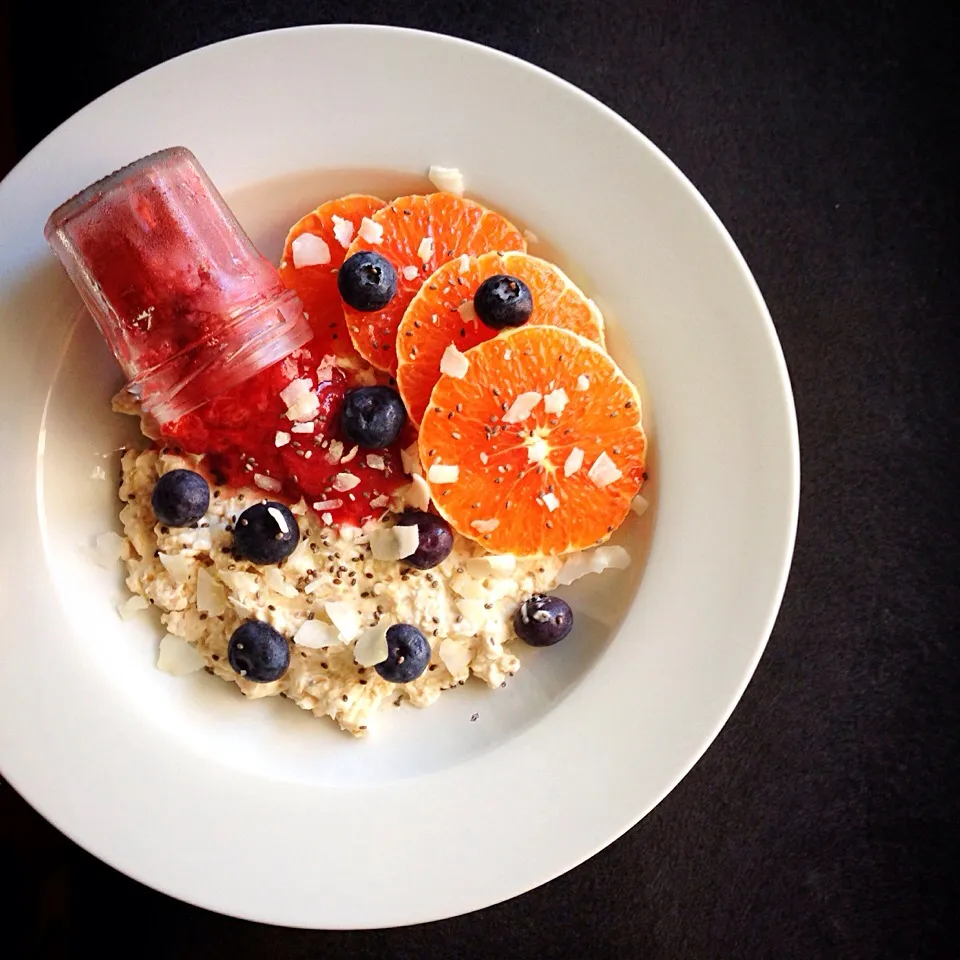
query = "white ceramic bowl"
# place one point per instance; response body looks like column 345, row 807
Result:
column 254, row 809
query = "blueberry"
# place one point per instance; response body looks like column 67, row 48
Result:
column 372, row 416
column 436, row 538
column 257, row 652
column 367, row 281
column 542, row 620
column 265, row 533
column 180, row 497
column 503, row 301
column 408, row 654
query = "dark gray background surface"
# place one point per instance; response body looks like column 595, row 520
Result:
column 824, row 820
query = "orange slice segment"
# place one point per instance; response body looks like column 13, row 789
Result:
column 420, row 233
column 442, row 314
column 316, row 285
column 523, row 468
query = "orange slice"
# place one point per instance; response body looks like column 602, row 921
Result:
column 316, row 285
column 420, row 233
column 442, row 313
column 523, row 468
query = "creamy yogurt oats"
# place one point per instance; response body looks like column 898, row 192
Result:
column 464, row 606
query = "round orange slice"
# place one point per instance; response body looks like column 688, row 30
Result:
column 538, row 449
column 442, row 314
column 335, row 224
column 417, row 234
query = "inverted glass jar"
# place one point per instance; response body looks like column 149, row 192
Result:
column 188, row 305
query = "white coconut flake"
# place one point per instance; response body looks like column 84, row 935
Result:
column 327, row 518
column 316, row 635
column 370, row 232
column 410, row 272
column 463, row 265
column 307, row 427
column 296, row 390
column 485, row 526
column 177, row 657
column 267, row 483
column 378, row 503
column 448, row 179
column 281, row 438
column 443, row 473
column 492, row 565
column 425, row 250
column 467, row 311
column 306, row 408
column 109, row 549
column 538, row 450
column 309, row 250
column 299, row 509
column 573, row 462
column 240, row 582
column 322, row 505
column 455, row 655
column 583, row 382
column 578, row 565
column 522, row 407
column 555, row 401
column 177, row 565
column 274, row 579
column 508, row 354
column 335, row 452
column 343, row 231
column 417, row 494
column 640, row 505
column 453, row 363
column 550, row 501
column 279, row 519
column 410, row 458
column 604, row 471
column 211, row 597
column 344, row 615
column 484, row 459
column 343, row 482
column 132, row 606
column 394, row 543
column 371, row 646
column 376, row 462
column 467, row 587
column 346, row 458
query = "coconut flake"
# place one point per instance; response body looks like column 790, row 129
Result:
column 346, row 458
column 109, row 549
column 315, row 635
column 416, row 494
column 327, row 518
column 550, row 501
column 640, row 505
column 240, row 582
column 578, row 565
column 308, row 427
column 454, row 363
column 467, row 587
column 211, row 597
column 411, row 272
column 508, row 354
column 371, row 646
column 335, row 452
column 468, row 312
column 485, row 526
column 376, row 462
column 463, row 265
column 604, row 471
column 279, row 519
column 177, row 657
column 132, row 606
column 296, row 390
column 484, row 459
column 345, row 617
column 538, row 450
column 370, row 232
column 281, row 438
column 322, row 505
column 443, row 473
column 378, row 503
column 425, row 250
column 304, row 408
column 394, row 543
column 573, row 462
column 177, row 565
column 410, row 458
column 267, row 483
column 492, row 565
column 455, row 655
column 274, row 579
column 343, row 231
column 583, row 382
column 344, row 481
column 309, row 250
column 522, row 407
column 299, row 509
column 555, row 401
column 448, row 179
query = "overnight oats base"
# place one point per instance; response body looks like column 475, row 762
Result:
column 464, row 606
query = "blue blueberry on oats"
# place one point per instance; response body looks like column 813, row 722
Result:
column 408, row 654
column 180, row 498
column 265, row 533
column 258, row 652
column 543, row 620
